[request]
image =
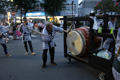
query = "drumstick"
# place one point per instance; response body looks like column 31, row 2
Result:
column 40, row 33
column 20, row 27
column 70, row 28
column 118, row 52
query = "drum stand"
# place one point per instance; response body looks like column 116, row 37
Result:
column 92, row 60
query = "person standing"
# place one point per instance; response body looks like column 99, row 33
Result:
column 111, row 24
column 61, row 24
column 6, row 27
column 48, row 43
column 42, row 25
column 26, row 31
column 2, row 42
column 36, row 26
column 116, row 62
column 14, row 30
column 39, row 25
column 107, row 42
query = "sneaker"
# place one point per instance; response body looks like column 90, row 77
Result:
column 102, row 76
column 7, row 55
column 53, row 63
column 6, row 41
column 26, row 53
column 33, row 53
column 43, row 67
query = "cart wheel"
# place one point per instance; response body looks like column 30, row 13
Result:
column 69, row 59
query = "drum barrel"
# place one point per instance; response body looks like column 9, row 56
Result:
column 78, row 41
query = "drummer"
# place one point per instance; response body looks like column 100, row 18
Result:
column 111, row 24
column 116, row 68
column 2, row 42
column 48, row 42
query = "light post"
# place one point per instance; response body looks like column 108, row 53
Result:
column 72, row 8
column 39, row 5
column 78, row 10
column 102, row 11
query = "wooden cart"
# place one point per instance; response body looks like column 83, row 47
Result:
column 92, row 60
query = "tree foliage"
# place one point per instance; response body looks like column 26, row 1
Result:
column 52, row 6
column 26, row 5
column 108, row 6
column 3, row 6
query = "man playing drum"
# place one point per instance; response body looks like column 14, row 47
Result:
column 48, row 42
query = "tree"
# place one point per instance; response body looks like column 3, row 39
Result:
column 3, row 7
column 107, row 6
column 26, row 5
column 52, row 6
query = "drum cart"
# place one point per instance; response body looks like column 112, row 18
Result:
column 92, row 60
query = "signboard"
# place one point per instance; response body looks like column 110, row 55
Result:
column 10, row 0
column 34, row 14
column 13, row 13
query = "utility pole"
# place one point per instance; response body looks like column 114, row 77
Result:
column 72, row 8
column 39, row 6
column 102, row 9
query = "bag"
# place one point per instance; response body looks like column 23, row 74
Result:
column 104, row 54
column 18, row 33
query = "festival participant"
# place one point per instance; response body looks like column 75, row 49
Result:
column 116, row 62
column 48, row 43
column 2, row 42
column 111, row 24
column 26, row 31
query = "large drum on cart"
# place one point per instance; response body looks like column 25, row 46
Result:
column 78, row 41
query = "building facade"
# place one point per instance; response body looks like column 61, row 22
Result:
column 87, row 6
column 71, row 8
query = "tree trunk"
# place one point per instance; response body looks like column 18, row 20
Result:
column 25, row 13
column 53, row 19
column 46, row 18
column 21, row 14
column 4, row 18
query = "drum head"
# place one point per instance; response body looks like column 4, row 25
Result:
column 76, row 43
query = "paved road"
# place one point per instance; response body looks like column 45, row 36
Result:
column 21, row 67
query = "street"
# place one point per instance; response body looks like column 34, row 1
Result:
column 21, row 67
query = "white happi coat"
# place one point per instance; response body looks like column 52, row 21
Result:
column 2, row 30
column 111, row 25
column 115, row 73
column 6, row 28
column 48, row 40
column 26, row 31
column 109, row 40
